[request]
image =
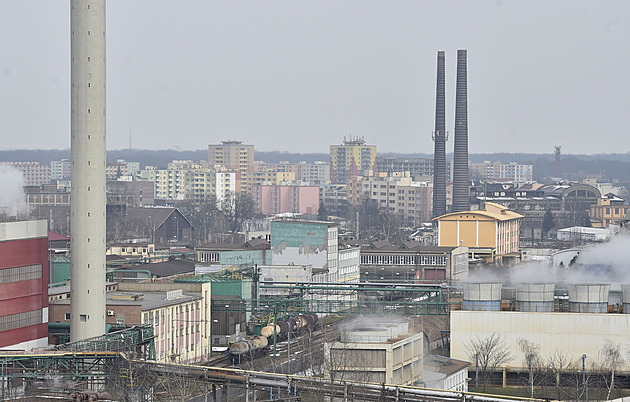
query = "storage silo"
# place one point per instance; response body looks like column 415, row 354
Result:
column 535, row 297
column 482, row 296
column 588, row 298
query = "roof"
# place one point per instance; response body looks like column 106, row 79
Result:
column 168, row 268
column 443, row 364
column 493, row 211
column 54, row 236
column 157, row 214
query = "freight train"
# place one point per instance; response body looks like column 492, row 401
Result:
column 255, row 344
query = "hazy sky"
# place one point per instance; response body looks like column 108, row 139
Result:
column 299, row 76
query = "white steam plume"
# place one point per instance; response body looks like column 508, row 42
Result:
column 12, row 199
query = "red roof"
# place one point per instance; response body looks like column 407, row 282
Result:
column 54, row 236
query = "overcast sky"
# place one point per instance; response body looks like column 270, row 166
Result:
column 299, row 76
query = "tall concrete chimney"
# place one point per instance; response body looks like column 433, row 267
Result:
column 87, row 49
column 461, row 200
column 439, row 137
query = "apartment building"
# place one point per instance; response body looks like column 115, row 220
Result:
column 395, row 193
column 34, row 173
column 350, row 159
column 234, row 155
column 513, row 171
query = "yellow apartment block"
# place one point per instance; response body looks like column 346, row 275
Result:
column 491, row 234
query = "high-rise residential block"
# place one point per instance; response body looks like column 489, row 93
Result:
column 234, row 155
column 350, row 159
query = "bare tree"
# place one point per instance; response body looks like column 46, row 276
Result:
column 488, row 354
column 533, row 362
column 558, row 364
column 203, row 214
column 236, row 209
column 611, row 359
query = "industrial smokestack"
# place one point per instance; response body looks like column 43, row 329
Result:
column 439, row 137
column 461, row 200
column 87, row 45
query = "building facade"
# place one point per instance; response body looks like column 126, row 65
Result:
column 492, row 232
column 395, row 193
column 34, row 173
column 499, row 171
column 350, row 159
column 23, row 285
column 306, row 243
column 236, row 156
column 277, row 199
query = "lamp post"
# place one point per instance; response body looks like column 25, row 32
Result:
column 584, row 378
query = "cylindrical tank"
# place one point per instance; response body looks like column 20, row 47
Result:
column 311, row 320
column 482, row 296
column 535, row 297
column 258, row 342
column 588, row 298
column 268, row 331
column 239, row 348
column 284, row 327
column 625, row 289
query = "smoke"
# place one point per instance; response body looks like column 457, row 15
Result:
column 12, row 199
column 602, row 263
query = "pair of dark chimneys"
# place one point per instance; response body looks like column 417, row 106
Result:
column 460, row 157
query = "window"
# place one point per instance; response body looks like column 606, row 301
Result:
column 66, row 316
column 18, row 274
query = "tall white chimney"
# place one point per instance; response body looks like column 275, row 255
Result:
column 87, row 24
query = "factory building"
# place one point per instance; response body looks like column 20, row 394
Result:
column 387, row 352
column 306, row 243
column 572, row 319
column 491, row 234
column 23, row 285
column 413, row 262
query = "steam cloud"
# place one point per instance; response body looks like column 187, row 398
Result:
column 598, row 264
column 12, row 199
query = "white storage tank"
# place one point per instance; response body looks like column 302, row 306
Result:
column 482, row 296
column 588, row 298
column 535, row 297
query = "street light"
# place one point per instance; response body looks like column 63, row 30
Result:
column 584, row 378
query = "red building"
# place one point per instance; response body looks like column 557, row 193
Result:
column 23, row 285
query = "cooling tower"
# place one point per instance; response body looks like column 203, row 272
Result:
column 535, row 297
column 482, row 296
column 439, row 137
column 87, row 45
column 588, row 298
column 461, row 200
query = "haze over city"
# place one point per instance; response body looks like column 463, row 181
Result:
column 300, row 76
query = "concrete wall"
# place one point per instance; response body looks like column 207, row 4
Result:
column 573, row 334
column 299, row 243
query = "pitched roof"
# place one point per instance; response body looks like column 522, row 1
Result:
column 54, row 236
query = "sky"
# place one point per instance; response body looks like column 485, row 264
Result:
column 298, row 76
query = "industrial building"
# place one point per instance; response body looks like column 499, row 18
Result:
column 572, row 319
column 491, row 234
column 23, row 285
column 386, row 351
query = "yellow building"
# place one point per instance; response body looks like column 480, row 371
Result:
column 609, row 209
column 273, row 177
column 491, row 234
column 350, row 159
